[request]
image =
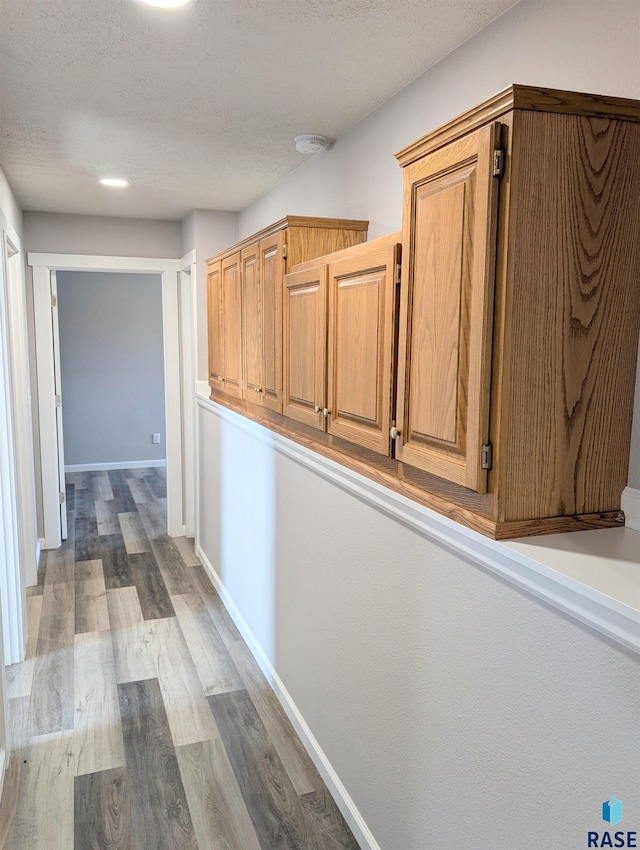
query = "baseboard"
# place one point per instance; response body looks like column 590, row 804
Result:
column 339, row 793
column 39, row 548
column 631, row 507
column 3, row 766
column 123, row 464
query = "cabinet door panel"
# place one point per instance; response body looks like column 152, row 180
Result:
column 361, row 341
column 232, row 323
column 450, row 220
column 252, row 329
column 214, row 322
column 305, row 345
column 272, row 268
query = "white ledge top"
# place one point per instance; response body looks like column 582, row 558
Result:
column 593, row 576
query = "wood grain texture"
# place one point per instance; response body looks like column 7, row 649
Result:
column 116, row 567
column 153, row 516
column 305, row 345
column 139, row 491
column 51, row 705
column 567, row 404
column 185, row 546
column 215, row 669
column 251, row 323
column 103, row 818
column 159, row 805
column 332, row 830
column 220, row 817
column 294, row 221
column 98, row 732
column 232, row 325
column 152, row 591
column 135, row 539
column 274, row 807
column 519, row 97
column 446, row 312
column 19, row 677
column 272, row 269
column 101, row 486
column 107, row 517
column 90, row 598
column 18, row 735
column 87, row 539
column 361, row 341
column 305, row 243
column 214, row 324
column 296, row 760
column 45, row 812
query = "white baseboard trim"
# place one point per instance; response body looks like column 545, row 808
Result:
column 343, row 800
column 122, row 464
column 39, row 548
column 631, row 507
column 3, row 766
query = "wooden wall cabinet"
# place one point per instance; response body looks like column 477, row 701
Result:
column 245, row 342
column 496, row 384
column 214, row 325
column 521, row 308
column 340, row 318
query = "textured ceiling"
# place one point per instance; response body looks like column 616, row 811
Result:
column 198, row 108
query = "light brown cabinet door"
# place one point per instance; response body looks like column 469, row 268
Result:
column 272, row 269
column 361, row 342
column 305, row 345
column 232, row 324
column 214, row 322
column 449, row 234
column 252, row 328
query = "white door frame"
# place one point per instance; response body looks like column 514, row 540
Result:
column 43, row 265
column 12, row 595
column 189, row 354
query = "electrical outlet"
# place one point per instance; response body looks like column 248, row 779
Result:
column 155, row 438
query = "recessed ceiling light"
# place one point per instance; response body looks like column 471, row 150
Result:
column 167, row 4
column 114, row 182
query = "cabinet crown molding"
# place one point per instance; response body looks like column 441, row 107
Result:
column 529, row 98
column 292, row 221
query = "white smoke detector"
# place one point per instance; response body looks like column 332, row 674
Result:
column 310, row 144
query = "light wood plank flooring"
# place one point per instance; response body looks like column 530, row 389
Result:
column 140, row 720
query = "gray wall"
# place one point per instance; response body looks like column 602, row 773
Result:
column 112, row 370
column 61, row 233
column 208, row 231
column 457, row 711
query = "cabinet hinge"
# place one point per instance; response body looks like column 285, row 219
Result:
column 61, row 498
column 54, row 301
column 58, row 401
column 398, row 273
column 498, row 162
column 284, row 251
column 487, row 456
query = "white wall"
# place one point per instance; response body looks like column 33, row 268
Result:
column 111, row 359
column 206, row 231
column 583, row 46
column 9, row 206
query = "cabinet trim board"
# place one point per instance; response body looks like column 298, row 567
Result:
column 292, row 221
column 520, row 97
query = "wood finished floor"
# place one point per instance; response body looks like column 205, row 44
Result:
column 140, row 720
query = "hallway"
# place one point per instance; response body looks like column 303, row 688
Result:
column 140, row 719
